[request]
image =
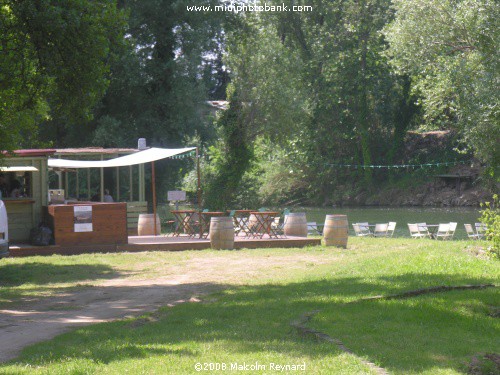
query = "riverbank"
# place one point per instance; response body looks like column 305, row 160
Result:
column 432, row 194
column 459, row 187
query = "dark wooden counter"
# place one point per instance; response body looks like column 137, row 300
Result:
column 9, row 201
column 109, row 224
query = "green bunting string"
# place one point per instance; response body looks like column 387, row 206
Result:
column 183, row 156
column 371, row 166
column 395, row 166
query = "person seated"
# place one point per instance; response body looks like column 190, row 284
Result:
column 107, row 197
column 15, row 189
column 3, row 187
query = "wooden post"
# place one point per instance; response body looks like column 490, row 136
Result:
column 59, row 177
column 117, row 184
column 200, row 219
column 131, row 184
column 77, row 184
column 153, row 188
column 88, row 184
column 198, row 173
column 66, row 185
column 102, row 181
column 142, row 196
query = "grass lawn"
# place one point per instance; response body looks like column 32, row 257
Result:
column 248, row 323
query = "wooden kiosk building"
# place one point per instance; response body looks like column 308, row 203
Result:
column 77, row 178
column 25, row 212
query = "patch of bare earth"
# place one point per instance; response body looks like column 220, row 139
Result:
column 44, row 318
column 484, row 364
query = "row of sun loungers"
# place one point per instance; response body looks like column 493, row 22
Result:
column 443, row 231
column 379, row 230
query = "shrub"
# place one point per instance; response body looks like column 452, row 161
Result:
column 491, row 217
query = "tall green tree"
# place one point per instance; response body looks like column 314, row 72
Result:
column 450, row 50
column 160, row 82
column 54, row 62
column 317, row 86
column 348, row 95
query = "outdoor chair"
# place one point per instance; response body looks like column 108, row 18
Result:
column 480, row 230
column 236, row 222
column 443, row 232
column 312, row 228
column 361, row 230
column 194, row 224
column 381, row 230
column 242, row 224
column 415, row 231
column 278, row 225
column 365, row 228
column 391, row 228
column 453, row 228
column 166, row 220
column 423, row 228
column 470, row 232
column 279, row 221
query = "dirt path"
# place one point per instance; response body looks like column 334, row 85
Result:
column 49, row 317
column 118, row 298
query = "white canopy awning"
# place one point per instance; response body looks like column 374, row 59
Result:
column 21, row 168
column 141, row 157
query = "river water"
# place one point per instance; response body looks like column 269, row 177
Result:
column 401, row 215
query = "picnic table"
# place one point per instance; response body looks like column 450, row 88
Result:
column 431, row 228
column 241, row 220
column 264, row 224
column 185, row 222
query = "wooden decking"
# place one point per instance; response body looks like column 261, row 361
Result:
column 158, row 243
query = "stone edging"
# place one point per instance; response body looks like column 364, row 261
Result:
column 299, row 325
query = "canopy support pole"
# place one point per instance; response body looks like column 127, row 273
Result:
column 153, row 183
column 66, row 185
column 199, row 191
column 131, row 183
column 198, row 174
column 117, row 184
column 59, row 178
column 88, row 184
column 77, row 185
column 102, row 182
column 141, row 182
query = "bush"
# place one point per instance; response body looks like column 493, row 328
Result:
column 491, row 217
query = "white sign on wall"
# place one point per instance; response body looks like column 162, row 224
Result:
column 176, row 195
column 83, row 218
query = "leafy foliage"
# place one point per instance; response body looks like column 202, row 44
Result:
column 491, row 217
column 54, row 62
column 316, row 90
column 450, row 49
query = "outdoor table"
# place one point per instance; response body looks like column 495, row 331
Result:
column 205, row 221
column 185, row 223
column 241, row 221
column 431, row 228
column 264, row 225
